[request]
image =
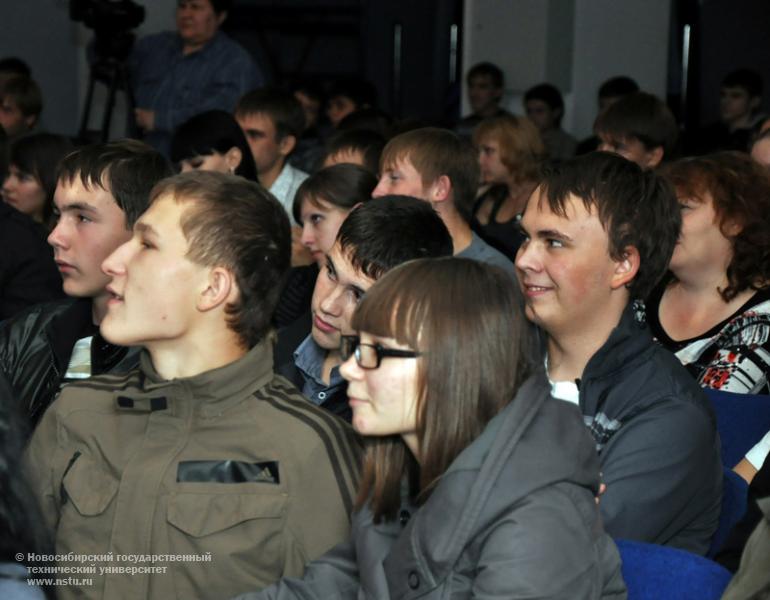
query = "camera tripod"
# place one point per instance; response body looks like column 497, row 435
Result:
column 114, row 74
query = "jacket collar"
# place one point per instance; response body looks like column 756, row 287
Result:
column 213, row 391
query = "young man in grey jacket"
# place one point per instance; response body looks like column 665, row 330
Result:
column 600, row 234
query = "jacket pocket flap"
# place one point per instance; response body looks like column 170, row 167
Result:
column 89, row 487
column 203, row 514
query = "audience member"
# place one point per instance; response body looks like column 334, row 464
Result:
column 545, row 106
column 324, row 200
column 101, row 190
column 28, row 274
column 201, row 449
column 178, row 74
column 348, row 95
column 600, row 234
column 321, row 204
column 510, row 155
column 272, row 121
column 22, row 534
column 20, row 106
column 212, row 141
column 610, row 92
column 374, row 238
column 476, row 483
column 31, row 181
column 486, row 85
column 740, row 115
column 760, row 149
column 359, row 147
column 438, row 166
column 368, row 119
column 639, row 127
column 713, row 310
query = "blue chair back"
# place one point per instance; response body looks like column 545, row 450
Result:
column 742, row 420
column 735, row 492
column 655, row 572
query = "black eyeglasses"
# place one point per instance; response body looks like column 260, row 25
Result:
column 369, row 356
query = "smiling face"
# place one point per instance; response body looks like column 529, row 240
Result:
column 197, row 22
column 384, row 400
column 564, row 268
column 321, row 221
column 24, row 192
column 155, row 288
column 90, row 226
column 338, row 290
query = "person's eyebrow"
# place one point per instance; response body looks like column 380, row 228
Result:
column 146, row 229
column 79, row 207
column 553, row 234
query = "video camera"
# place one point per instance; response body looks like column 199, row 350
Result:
column 112, row 22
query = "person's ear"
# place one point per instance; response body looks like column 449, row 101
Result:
column 653, row 157
column 626, row 268
column 233, row 158
column 440, row 190
column 219, row 289
column 286, row 145
column 755, row 102
column 221, row 18
column 30, row 121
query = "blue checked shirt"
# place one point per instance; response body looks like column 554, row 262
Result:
column 178, row 87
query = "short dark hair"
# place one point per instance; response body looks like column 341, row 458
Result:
column 616, row 87
column 282, row 107
column 636, row 208
column 237, row 224
column 369, row 119
column 387, row 231
column 359, row 91
column 486, row 69
column 128, row 169
column 545, row 92
column 464, row 316
column 641, row 116
column 13, row 65
column 343, row 185
column 213, row 131
column 740, row 191
column 368, row 143
column 434, row 152
column 38, row 155
column 748, row 79
column 26, row 94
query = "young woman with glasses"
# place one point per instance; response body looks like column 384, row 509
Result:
column 475, row 482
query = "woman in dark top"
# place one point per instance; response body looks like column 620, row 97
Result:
column 510, row 153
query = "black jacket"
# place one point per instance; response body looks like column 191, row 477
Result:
column 656, row 436
column 36, row 346
column 28, row 273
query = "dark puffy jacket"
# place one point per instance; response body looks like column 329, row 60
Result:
column 514, row 516
column 36, row 346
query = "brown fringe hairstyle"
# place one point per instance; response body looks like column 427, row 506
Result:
column 464, row 316
column 521, row 148
column 740, row 190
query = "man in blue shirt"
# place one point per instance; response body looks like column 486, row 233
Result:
column 176, row 75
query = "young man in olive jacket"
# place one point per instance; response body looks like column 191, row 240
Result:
column 600, row 234
column 202, row 452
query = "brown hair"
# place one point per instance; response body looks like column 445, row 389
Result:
column 237, row 224
column 464, row 317
column 434, row 152
column 521, row 148
column 740, row 191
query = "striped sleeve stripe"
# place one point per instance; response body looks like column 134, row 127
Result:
column 107, row 383
column 307, row 418
column 352, row 448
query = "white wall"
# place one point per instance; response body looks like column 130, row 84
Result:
column 575, row 44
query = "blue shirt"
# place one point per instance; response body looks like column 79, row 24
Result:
column 309, row 359
column 178, row 86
